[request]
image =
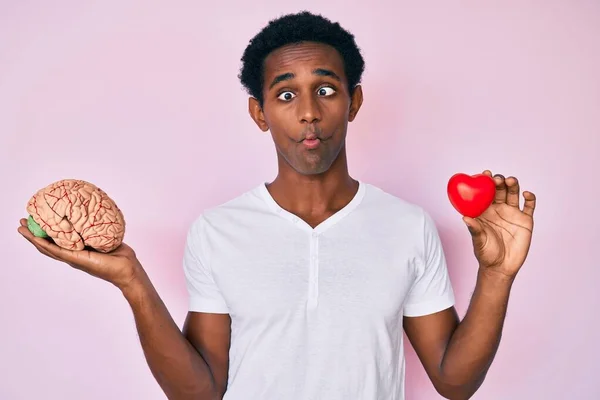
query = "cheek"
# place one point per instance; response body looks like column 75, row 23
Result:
column 280, row 135
column 336, row 111
column 337, row 121
column 283, row 126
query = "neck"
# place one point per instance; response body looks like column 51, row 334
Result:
column 314, row 195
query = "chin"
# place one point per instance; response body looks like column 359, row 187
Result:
column 308, row 164
column 313, row 170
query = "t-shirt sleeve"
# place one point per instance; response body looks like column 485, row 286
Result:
column 432, row 290
column 204, row 294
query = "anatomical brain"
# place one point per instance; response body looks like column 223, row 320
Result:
column 76, row 215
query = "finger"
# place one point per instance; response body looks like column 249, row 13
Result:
column 44, row 252
column 26, row 233
column 474, row 226
column 35, row 241
column 79, row 259
column 529, row 206
column 500, row 189
column 512, row 197
column 48, row 248
column 62, row 254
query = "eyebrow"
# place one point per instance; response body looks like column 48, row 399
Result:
column 288, row 76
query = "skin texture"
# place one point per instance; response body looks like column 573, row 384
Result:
column 309, row 98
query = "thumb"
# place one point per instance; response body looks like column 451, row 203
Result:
column 473, row 225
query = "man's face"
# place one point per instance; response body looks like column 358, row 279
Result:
column 306, row 106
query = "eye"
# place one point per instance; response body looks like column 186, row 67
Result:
column 286, row 96
column 326, row 91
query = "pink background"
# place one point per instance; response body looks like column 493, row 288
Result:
column 142, row 99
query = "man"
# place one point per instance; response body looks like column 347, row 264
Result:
column 300, row 288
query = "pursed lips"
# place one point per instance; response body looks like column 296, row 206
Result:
column 312, row 140
column 311, row 135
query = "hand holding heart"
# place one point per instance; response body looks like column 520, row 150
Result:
column 500, row 229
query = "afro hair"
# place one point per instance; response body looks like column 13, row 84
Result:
column 296, row 28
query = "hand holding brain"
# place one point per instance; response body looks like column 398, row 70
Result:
column 76, row 215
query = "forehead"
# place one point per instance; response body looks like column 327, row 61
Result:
column 309, row 55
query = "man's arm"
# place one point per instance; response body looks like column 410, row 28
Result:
column 210, row 334
column 192, row 365
column 457, row 356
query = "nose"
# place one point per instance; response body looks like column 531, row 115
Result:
column 309, row 110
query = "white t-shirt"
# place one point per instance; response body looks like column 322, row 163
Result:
column 316, row 313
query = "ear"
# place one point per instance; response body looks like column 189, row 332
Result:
column 257, row 114
column 356, row 101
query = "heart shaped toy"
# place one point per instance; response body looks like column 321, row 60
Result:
column 471, row 195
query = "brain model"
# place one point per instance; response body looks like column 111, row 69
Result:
column 76, row 215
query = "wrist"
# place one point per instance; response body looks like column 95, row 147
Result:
column 136, row 286
column 494, row 279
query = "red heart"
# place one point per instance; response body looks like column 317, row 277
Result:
column 471, row 195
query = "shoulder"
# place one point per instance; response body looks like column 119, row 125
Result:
column 408, row 226
column 246, row 206
column 385, row 206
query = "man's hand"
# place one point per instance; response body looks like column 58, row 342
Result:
column 173, row 359
column 118, row 267
column 457, row 354
column 502, row 234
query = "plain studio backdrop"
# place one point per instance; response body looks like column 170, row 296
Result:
column 142, row 99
